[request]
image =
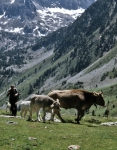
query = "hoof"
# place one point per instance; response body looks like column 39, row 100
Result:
column 77, row 121
column 63, row 121
column 28, row 119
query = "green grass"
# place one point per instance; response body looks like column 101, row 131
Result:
column 58, row 136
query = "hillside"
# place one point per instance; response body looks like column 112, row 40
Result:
column 23, row 23
column 81, row 44
column 82, row 55
column 93, row 76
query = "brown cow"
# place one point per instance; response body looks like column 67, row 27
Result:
column 81, row 100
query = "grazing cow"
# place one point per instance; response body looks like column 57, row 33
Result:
column 8, row 106
column 81, row 100
column 46, row 103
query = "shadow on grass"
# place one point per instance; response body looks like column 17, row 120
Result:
column 72, row 121
column 88, row 123
column 92, row 123
column 96, row 121
column 7, row 114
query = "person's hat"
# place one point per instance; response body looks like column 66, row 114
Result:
column 12, row 85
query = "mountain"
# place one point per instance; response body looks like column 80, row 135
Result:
column 81, row 55
column 39, row 17
column 87, row 39
column 23, row 22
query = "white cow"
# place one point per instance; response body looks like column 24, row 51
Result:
column 8, row 106
column 46, row 103
column 24, row 106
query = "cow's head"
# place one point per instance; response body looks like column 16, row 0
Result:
column 6, row 102
column 56, row 105
column 98, row 98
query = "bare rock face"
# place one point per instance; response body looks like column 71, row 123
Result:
column 74, row 147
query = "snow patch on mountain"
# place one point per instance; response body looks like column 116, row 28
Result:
column 52, row 12
column 15, row 30
column 12, row 1
column 37, row 20
column 50, row 20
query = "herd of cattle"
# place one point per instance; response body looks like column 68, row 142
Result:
column 81, row 100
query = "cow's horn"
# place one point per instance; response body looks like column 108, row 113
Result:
column 101, row 92
column 57, row 100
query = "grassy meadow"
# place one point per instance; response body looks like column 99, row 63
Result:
column 89, row 135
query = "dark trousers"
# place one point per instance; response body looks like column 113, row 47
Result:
column 13, row 109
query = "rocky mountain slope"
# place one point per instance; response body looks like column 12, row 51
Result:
column 38, row 17
column 82, row 55
column 23, row 22
column 88, row 40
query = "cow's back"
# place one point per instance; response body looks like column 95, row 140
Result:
column 25, row 105
column 41, row 101
column 68, row 98
column 32, row 100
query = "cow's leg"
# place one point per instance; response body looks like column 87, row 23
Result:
column 77, row 119
column 39, row 115
column 25, row 114
column 80, row 114
column 44, row 114
column 59, row 115
column 21, row 113
column 52, row 115
column 30, row 113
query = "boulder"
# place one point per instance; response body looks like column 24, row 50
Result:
column 73, row 147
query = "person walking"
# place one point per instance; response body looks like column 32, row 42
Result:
column 13, row 97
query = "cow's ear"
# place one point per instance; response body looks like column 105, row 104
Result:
column 52, row 106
